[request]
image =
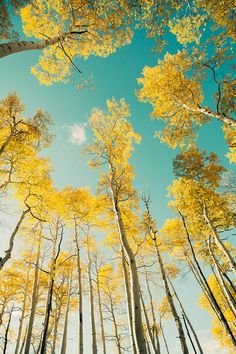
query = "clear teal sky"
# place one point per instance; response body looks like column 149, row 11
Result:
column 114, row 76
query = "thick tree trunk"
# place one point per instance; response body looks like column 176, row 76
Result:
column 34, row 299
column 81, row 344
column 135, row 288
column 128, row 301
column 8, row 252
column 207, row 112
column 22, row 46
column 22, row 314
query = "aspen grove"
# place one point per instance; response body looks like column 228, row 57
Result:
column 91, row 267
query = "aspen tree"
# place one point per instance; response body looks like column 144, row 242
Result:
column 113, row 144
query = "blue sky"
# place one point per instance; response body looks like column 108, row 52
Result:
column 115, row 76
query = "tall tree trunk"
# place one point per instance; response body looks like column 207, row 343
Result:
column 118, row 343
column 226, row 293
column 100, row 313
column 189, row 334
column 164, row 338
column 7, row 332
column 148, row 326
column 55, row 256
column 207, row 112
column 135, row 287
column 23, row 342
column 155, row 332
column 21, row 46
column 171, row 302
column 81, row 344
column 64, row 337
column 8, row 252
column 213, row 302
column 128, row 301
column 92, row 312
column 34, row 298
column 220, row 244
column 22, row 314
column 186, row 318
column 55, row 330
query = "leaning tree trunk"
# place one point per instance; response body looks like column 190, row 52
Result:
column 171, row 302
column 135, row 288
column 81, row 344
column 34, row 299
column 212, row 300
column 7, row 332
column 22, row 46
column 220, row 244
column 187, row 319
column 227, row 294
column 8, row 252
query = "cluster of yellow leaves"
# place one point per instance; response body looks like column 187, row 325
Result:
column 188, row 28
column 105, row 23
column 168, row 88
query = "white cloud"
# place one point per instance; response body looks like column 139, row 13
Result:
column 77, row 133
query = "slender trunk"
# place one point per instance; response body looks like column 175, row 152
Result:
column 186, row 318
column 92, row 314
column 22, row 314
column 128, row 301
column 101, row 314
column 233, row 288
column 81, row 344
column 50, row 289
column 226, row 293
column 213, row 300
column 2, row 311
column 148, row 326
column 220, row 244
column 23, row 342
column 7, row 332
column 171, row 302
column 56, row 321
column 118, row 344
column 34, row 299
column 155, row 331
column 207, row 112
column 164, row 338
column 20, row 46
column 135, row 288
column 8, row 252
column 64, row 337
column 188, row 333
